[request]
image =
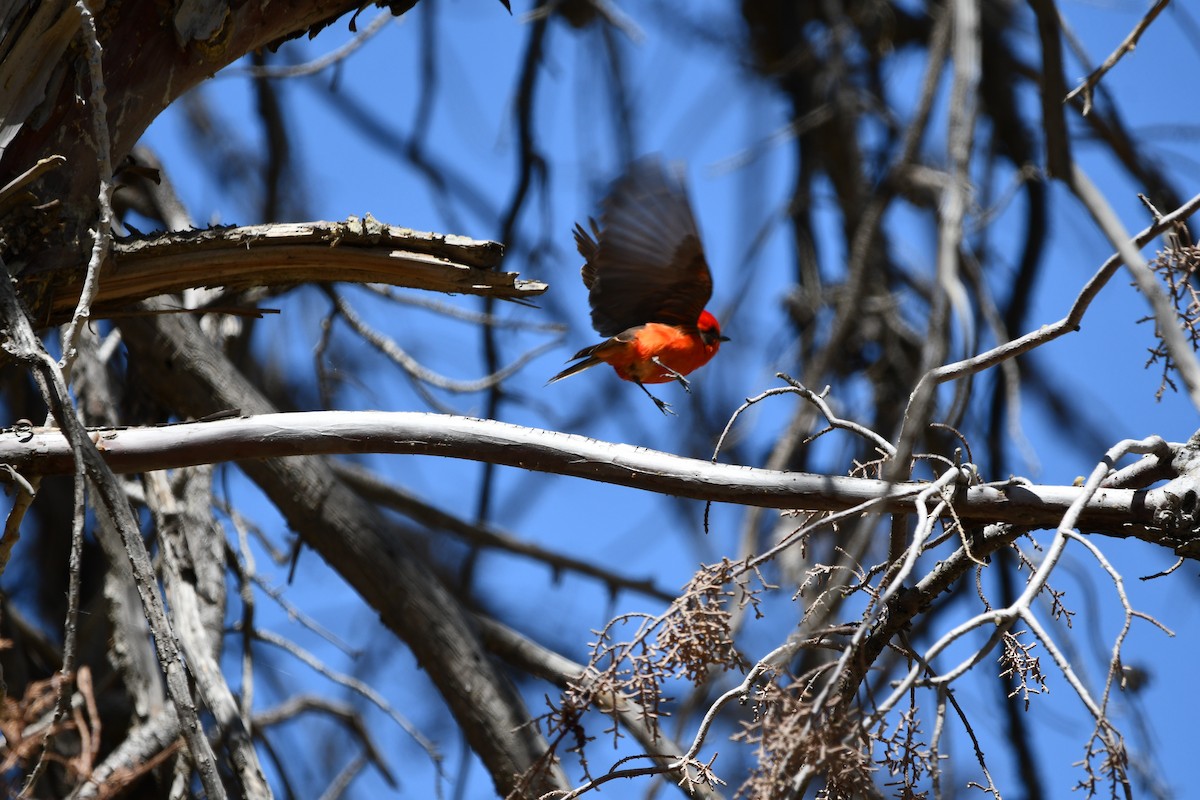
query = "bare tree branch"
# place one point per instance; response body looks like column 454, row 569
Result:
column 374, row 488
column 356, row 250
column 361, row 544
column 177, row 528
column 1127, row 46
column 21, row 343
column 340, row 432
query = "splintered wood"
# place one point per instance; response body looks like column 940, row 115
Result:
column 283, row 255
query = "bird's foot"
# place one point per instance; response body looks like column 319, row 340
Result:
column 663, row 405
column 675, row 374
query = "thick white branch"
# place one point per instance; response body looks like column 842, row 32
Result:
column 44, row 451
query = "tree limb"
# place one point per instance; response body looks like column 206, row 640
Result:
column 115, row 514
column 354, row 250
column 184, row 369
column 44, row 451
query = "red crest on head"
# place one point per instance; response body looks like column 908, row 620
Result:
column 708, row 322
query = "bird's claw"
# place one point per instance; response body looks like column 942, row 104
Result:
column 674, row 374
column 663, row 406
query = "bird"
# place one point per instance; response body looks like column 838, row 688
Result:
column 648, row 282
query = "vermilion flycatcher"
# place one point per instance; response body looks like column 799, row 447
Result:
column 648, row 282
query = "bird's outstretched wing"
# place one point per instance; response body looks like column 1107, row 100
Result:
column 645, row 262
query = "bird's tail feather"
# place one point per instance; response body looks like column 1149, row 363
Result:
column 587, row 363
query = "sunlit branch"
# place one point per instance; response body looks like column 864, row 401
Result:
column 1069, row 323
column 44, row 451
column 285, row 254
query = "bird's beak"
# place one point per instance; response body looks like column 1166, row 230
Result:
column 723, row 339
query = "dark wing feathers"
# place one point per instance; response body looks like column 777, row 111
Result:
column 646, row 263
column 587, row 247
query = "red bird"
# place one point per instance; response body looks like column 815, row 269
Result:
column 647, row 282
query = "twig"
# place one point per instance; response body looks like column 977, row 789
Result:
column 966, row 49
column 329, row 59
column 1069, row 323
column 337, row 787
column 771, row 661
column 818, row 400
column 26, row 491
column 611, row 775
column 102, row 235
column 342, row 711
column 584, row 12
column 464, row 314
column 22, row 344
column 374, row 488
column 102, row 241
column 388, row 347
column 1115, row 663
column 529, row 163
column 8, row 194
column 143, row 749
column 295, row 614
column 1126, row 46
column 71, row 625
column 356, row 686
column 245, row 570
column 1165, row 318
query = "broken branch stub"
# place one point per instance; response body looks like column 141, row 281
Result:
column 279, row 256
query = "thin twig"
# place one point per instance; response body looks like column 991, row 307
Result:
column 1069, row 323
column 245, row 570
column 329, row 59
column 374, row 488
column 774, row 660
column 71, row 625
column 101, row 244
column 353, row 720
column 967, row 50
column 102, row 234
column 26, row 492
column 463, row 314
column 356, row 686
column 1127, row 46
column 1166, row 320
column 8, row 193
column 22, row 344
column 530, row 164
column 388, row 347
